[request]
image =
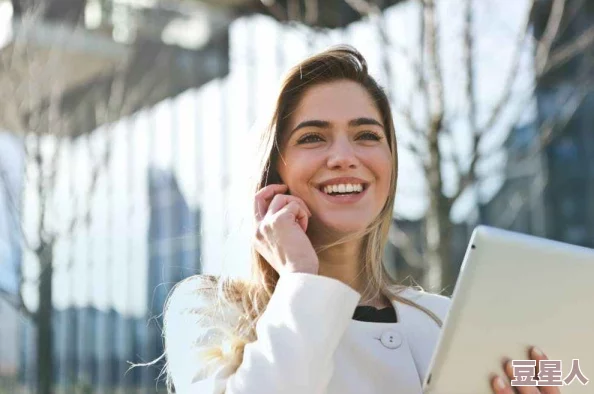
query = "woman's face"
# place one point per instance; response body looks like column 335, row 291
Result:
column 335, row 156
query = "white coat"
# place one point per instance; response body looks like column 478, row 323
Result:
column 308, row 343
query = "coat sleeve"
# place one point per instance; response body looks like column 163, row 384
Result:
column 297, row 336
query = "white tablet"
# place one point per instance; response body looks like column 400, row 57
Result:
column 515, row 291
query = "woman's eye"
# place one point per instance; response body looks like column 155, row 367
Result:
column 370, row 135
column 309, row 138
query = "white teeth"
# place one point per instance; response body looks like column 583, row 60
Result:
column 343, row 188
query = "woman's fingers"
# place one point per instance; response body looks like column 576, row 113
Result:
column 280, row 200
column 500, row 386
column 263, row 198
column 496, row 382
column 538, row 355
column 279, row 234
column 509, row 370
column 296, row 210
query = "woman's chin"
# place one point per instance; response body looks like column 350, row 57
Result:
column 342, row 227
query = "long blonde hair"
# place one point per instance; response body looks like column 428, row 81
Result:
column 250, row 298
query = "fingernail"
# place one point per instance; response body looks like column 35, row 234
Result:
column 499, row 383
column 538, row 352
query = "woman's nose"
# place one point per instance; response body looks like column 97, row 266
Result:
column 342, row 155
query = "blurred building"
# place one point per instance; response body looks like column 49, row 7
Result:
column 569, row 158
column 97, row 50
column 93, row 347
column 106, row 343
column 136, row 56
column 519, row 205
column 174, row 254
column 11, row 179
column 549, row 189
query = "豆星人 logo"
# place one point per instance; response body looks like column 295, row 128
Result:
column 550, row 373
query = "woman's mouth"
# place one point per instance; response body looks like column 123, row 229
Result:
column 346, row 193
column 343, row 188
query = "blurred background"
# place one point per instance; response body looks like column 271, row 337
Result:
column 126, row 134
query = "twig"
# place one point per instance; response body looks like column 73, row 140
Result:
column 568, row 51
column 405, row 246
column 16, row 301
column 15, row 209
column 511, row 77
column 372, row 11
column 406, row 114
column 435, row 87
column 550, row 33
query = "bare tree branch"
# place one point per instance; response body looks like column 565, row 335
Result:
column 571, row 12
column 517, row 202
column 312, row 12
column 511, row 76
column 435, row 86
column 406, row 247
column 276, row 9
column 16, row 302
column 412, row 148
column 421, row 82
column 469, row 177
column 372, row 11
column 551, row 128
column 551, row 31
column 543, row 48
column 14, row 207
column 294, row 10
column 405, row 114
column 570, row 50
column 468, row 51
column 119, row 100
column 466, row 178
column 436, row 107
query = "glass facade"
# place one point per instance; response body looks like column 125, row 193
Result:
column 554, row 194
column 11, row 182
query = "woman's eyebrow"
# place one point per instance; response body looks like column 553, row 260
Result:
column 325, row 124
column 365, row 121
column 312, row 123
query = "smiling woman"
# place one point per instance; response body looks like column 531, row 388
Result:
column 320, row 313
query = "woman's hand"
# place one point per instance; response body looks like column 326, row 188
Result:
column 281, row 222
column 502, row 386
